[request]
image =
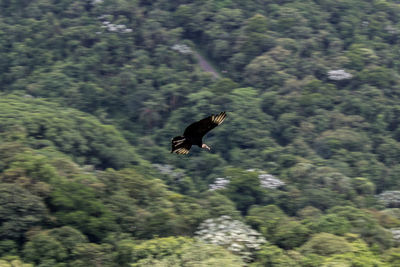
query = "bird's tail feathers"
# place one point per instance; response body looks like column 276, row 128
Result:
column 177, row 141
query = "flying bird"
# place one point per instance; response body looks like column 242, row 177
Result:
column 194, row 133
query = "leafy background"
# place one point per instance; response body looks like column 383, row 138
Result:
column 93, row 91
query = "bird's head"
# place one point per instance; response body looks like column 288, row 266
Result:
column 205, row 146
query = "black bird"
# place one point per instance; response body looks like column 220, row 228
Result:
column 194, row 133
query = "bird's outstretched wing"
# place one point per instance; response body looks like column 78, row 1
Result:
column 180, row 145
column 201, row 127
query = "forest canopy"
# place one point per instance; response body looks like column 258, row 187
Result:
column 303, row 172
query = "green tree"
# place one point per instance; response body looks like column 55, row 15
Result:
column 76, row 205
column 332, row 224
column 270, row 255
column 244, row 189
column 190, row 254
column 326, row 244
column 277, row 227
column 90, row 254
column 44, row 249
column 19, row 211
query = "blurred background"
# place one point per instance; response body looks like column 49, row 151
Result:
column 303, row 172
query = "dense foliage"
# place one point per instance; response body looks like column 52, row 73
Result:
column 93, row 91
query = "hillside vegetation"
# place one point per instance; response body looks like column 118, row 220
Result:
column 303, row 172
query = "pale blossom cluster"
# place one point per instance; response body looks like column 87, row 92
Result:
column 111, row 27
column 182, row 48
column 270, row 181
column 339, row 75
column 121, row 28
column 219, row 183
column 168, row 170
column 267, row 180
column 390, row 29
column 395, row 234
column 231, row 234
column 390, row 198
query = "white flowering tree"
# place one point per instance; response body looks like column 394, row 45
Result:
column 266, row 180
column 396, row 234
column 339, row 75
column 390, row 198
column 169, row 170
column 219, row 183
column 231, row 234
column 111, row 27
column 182, row 48
column 270, row 181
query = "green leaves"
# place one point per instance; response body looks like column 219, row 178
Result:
column 277, row 227
column 69, row 130
column 77, row 206
column 44, row 249
column 68, row 177
column 181, row 251
column 244, row 189
column 19, row 211
column 326, row 244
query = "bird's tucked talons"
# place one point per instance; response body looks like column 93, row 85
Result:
column 205, row 146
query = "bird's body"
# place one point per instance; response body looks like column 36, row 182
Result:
column 194, row 133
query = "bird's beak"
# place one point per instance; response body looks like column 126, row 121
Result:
column 205, row 146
